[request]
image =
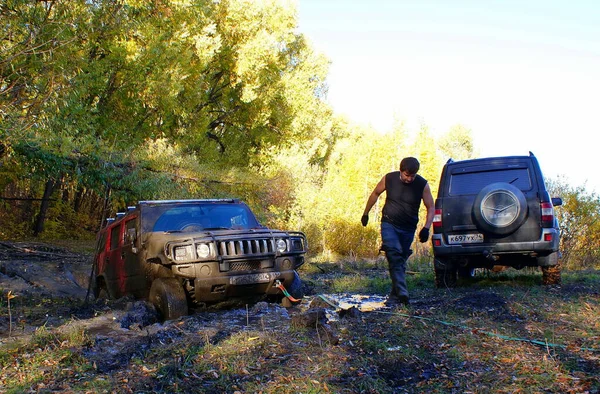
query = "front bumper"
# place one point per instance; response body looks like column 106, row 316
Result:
column 214, row 289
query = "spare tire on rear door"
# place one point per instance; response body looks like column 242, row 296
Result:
column 500, row 208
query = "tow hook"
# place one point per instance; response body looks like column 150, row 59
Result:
column 489, row 256
column 280, row 286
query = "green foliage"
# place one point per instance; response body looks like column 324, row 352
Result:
column 457, row 144
column 63, row 222
column 579, row 219
column 144, row 100
column 154, row 100
column 351, row 239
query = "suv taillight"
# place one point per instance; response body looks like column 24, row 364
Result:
column 547, row 212
column 437, row 218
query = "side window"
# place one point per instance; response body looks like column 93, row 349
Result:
column 130, row 224
column 114, row 237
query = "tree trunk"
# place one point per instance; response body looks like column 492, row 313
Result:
column 41, row 217
column 78, row 199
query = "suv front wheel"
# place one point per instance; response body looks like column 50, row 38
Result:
column 169, row 298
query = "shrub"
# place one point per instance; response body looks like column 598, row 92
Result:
column 351, row 239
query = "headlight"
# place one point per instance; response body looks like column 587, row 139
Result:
column 281, row 245
column 297, row 244
column 183, row 253
column 203, row 251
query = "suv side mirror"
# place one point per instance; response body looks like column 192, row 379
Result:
column 557, row 201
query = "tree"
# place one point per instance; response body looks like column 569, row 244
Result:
column 579, row 219
column 88, row 86
column 457, row 144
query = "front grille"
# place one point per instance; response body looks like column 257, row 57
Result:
column 244, row 266
column 246, row 247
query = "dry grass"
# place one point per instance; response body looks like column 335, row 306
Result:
column 502, row 333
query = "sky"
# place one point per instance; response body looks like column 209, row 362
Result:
column 521, row 75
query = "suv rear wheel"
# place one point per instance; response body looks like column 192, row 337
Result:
column 466, row 272
column 445, row 274
column 169, row 298
column 551, row 275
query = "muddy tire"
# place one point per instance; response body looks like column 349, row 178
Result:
column 466, row 273
column 99, row 289
column 102, row 294
column 169, row 298
column 551, row 275
column 445, row 278
column 445, row 273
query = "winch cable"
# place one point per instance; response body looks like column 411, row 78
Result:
column 280, row 286
column 473, row 330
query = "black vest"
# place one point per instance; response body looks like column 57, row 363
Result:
column 402, row 201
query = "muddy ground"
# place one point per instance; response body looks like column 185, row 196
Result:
column 50, row 285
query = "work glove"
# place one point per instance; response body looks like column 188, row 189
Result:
column 423, row 235
column 364, row 220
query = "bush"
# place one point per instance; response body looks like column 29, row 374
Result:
column 352, row 239
column 579, row 219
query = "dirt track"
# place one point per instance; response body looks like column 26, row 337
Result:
column 51, row 285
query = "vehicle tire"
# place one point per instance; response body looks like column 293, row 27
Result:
column 551, row 275
column 466, row 272
column 169, row 298
column 99, row 289
column 103, row 294
column 445, row 274
column 500, row 208
column 295, row 289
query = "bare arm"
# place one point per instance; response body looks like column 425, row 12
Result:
column 380, row 188
column 429, row 204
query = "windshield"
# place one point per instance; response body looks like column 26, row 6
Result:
column 473, row 182
column 197, row 216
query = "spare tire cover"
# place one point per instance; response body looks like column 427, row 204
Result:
column 500, row 208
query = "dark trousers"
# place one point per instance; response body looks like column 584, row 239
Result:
column 396, row 245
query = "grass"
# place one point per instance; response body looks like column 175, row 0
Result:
column 474, row 338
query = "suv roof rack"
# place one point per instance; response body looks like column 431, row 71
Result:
column 231, row 200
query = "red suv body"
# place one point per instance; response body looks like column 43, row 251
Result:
column 177, row 252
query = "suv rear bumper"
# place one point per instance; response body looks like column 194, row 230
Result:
column 538, row 247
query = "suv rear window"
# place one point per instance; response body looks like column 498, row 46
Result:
column 473, row 182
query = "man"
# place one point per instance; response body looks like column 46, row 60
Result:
column 404, row 192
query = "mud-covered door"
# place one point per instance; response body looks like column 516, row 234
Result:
column 137, row 281
column 114, row 271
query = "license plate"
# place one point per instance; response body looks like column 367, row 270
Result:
column 465, row 238
column 263, row 277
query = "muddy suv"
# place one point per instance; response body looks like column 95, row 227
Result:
column 185, row 252
column 492, row 212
